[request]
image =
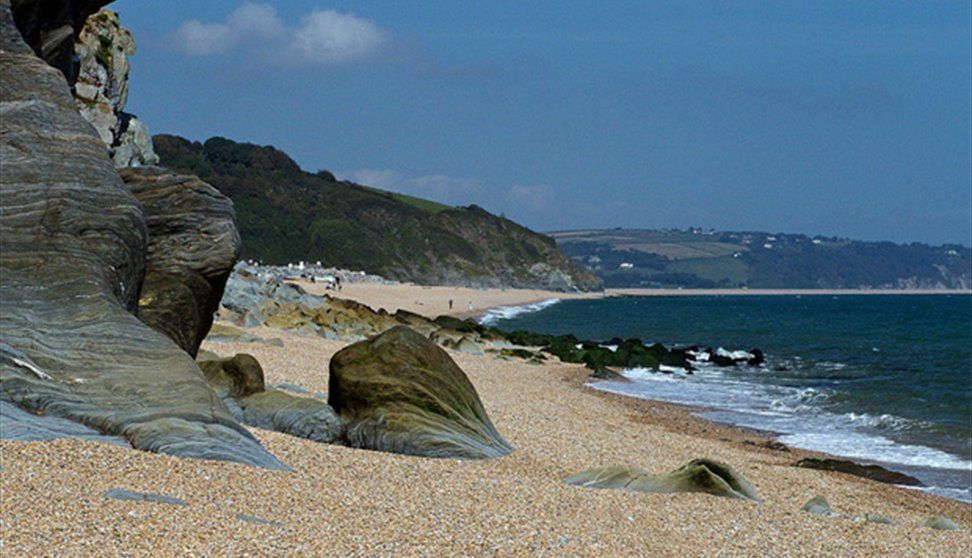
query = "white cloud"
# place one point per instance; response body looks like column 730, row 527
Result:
column 321, row 37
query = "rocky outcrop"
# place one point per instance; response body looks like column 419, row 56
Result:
column 72, row 257
column 238, row 380
column 50, row 27
column 399, row 392
column 193, row 245
column 700, row 475
column 103, row 47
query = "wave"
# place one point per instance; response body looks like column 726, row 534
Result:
column 796, row 414
column 494, row 315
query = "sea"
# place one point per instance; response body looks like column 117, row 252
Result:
column 883, row 379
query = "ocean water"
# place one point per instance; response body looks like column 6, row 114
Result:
column 883, row 379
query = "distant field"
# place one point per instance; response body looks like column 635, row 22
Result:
column 693, row 258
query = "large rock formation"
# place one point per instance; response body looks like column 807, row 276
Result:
column 49, row 27
column 193, row 245
column 700, row 475
column 72, row 258
column 103, row 47
column 399, row 392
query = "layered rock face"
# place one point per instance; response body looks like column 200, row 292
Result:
column 103, row 47
column 193, row 245
column 401, row 393
column 73, row 245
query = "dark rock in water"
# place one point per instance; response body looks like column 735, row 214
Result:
column 123, row 494
column 818, row 505
column 758, row 358
column 255, row 519
column 700, row 475
column 607, row 374
column 941, row 523
column 72, row 256
column 399, row 392
column 193, row 244
column 873, row 472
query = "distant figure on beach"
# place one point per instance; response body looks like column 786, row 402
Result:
column 337, row 280
column 470, row 306
column 450, row 304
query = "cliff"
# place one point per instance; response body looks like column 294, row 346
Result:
column 286, row 215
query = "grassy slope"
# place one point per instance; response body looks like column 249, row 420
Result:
column 285, row 214
column 733, row 259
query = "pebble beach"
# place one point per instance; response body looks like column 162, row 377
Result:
column 348, row 502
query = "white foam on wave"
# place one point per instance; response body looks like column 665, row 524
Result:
column 792, row 412
column 494, row 315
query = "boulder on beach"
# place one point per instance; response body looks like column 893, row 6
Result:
column 73, row 256
column 818, row 505
column 940, row 523
column 873, row 472
column 239, row 381
column 399, row 392
column 699, row 475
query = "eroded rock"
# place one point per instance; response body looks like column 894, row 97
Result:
column 72, row 256
column 700, row 475
column 399, row 392
column 193, row 245
column 873, row 472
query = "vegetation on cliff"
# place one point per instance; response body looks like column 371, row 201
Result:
column 286, row 215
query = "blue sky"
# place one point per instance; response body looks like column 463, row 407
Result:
column 837, row 118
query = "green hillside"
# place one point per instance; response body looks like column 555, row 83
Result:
column 286, row 215
column 695, row 258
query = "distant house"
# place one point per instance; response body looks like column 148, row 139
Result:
column 767, row 246
column 626, row 265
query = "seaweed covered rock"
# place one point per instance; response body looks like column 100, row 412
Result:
column 193, row 245
column 700, row 475
column 72, row 258
column 399, row 392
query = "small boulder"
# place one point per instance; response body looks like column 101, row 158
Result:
column 941, row 523
column 818, row 505
column 878, row 518
column 699, row 475
column 399, row 392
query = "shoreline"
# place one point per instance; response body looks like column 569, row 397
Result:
column 514, row 505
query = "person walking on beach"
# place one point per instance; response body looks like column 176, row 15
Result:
column 450, row 304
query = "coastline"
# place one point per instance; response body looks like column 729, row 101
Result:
column 515, row 505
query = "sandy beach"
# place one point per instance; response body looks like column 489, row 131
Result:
column 341, row 501
column 467, row 302
column 434, row 301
